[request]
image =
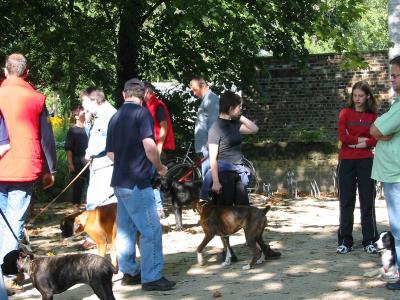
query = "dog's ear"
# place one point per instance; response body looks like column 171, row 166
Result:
column 80, row 221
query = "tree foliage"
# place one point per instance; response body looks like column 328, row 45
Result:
column 75, row 43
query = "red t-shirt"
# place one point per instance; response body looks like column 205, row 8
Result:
column 352, row 125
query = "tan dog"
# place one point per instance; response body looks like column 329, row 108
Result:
column 99, row 224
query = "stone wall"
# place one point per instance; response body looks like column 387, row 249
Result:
column 298, row 101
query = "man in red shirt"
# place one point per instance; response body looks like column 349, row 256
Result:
column 163, row 132
column 31, row 144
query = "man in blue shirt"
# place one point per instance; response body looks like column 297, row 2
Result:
column 207, row 114
column 130, row 144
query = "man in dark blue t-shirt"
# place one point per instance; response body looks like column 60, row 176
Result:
column 130, row 143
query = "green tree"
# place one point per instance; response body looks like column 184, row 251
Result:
column 367, row 32
column 75, row 43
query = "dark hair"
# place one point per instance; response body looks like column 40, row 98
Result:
column 76, row 111
column 370, row 104
column 149, row 87
column 16, row 64
column 395, row 61
column 228, row 100
column 134, row 88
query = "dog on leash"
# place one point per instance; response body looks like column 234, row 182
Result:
column 181, row 193
column 55, row 274
column 99, row 224
column 227, row 220
column 386, row 247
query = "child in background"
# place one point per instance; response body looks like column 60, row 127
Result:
column 75, row 145
column 4, row 140
column 354, row 168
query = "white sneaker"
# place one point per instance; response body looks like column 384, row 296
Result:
column 370, row 249
column 342, row 249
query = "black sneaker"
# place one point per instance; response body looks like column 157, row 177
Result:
column 131, row 280
column 161, row 284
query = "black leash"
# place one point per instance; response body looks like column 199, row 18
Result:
column 8, row 224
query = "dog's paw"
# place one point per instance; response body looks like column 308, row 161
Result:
column 178, row 228
column 260, row 261
column 200, row 260
column 246, row 267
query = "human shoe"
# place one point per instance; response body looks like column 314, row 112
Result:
column 370, row 249
column 161, row 284
column 87, row 245
column 131, row 280
column 342, row 249
column 394, row 285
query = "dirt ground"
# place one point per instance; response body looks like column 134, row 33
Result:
column 304, row 230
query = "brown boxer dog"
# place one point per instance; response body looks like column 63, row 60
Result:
column 227, row 220
column 55, row 274
column 99, row 224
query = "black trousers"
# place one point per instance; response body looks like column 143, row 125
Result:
column 353, row 174
column 79, row 185
column 233, row 190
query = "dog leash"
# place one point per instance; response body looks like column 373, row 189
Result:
column 8, row 224
column 192, row 168
column 54, row 200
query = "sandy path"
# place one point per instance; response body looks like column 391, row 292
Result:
column 303, row 230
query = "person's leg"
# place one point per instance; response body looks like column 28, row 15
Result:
column 19, row 197
column 158, row 197
column 242, row 197
column 142, row 210
column 228, row 182
column 366, row 192
column 347, row 198
column 77, row 190
column 392, row 197
column 126, row 233
column 205, row 166
column 3, row 291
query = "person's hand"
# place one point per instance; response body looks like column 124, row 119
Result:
column 88, row 157
column 216, row 187
column 386, row 138
column 163, row 170
column 352, row 146
column 48, row 180
column 71, row 168
column 362, row 139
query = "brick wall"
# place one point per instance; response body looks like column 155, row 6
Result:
column 294, row 99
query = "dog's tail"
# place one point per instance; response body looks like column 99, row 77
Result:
column 266, row 209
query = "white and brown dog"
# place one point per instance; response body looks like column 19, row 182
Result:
column 99, row 224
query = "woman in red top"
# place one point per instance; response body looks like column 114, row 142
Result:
column 354, row 168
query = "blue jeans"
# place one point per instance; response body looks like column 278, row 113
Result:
column 205, row 165
column 392, row 196
column 3, row 291
column 14, row 202
column 158, row 197
column 136, row 212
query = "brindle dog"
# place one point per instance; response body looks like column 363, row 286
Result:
column 226, row 220
column 55, row 274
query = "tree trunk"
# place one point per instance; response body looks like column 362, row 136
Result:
column 394, row 27
column 129, row 43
